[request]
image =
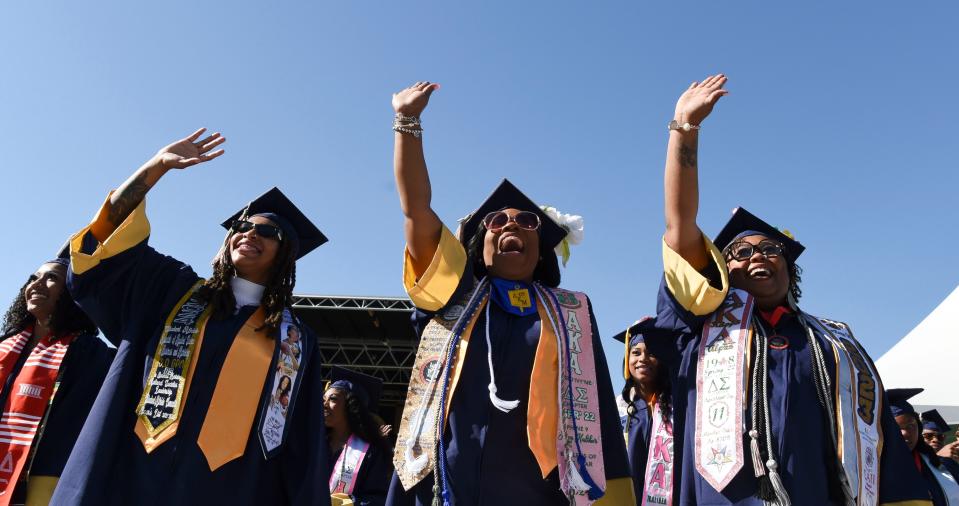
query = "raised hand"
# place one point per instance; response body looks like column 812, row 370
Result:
column 411, row 101
column 189, row 151
column 698, row 100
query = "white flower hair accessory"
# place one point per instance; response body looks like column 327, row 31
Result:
column 572, row 223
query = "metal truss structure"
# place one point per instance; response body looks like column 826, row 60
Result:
column 371, row 335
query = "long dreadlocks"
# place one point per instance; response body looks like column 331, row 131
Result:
column 277, row 295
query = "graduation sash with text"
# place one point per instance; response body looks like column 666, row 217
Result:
column 658, row 483
column 30, row 395
column 720, row 389
column 343, row 478
column 422, row 423
column 167, row 381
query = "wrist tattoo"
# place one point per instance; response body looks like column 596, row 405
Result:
column 688, row 156
column 127, row 198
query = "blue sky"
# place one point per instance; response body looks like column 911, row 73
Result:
column 840, row 126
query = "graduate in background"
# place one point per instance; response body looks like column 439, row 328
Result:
column 360, row 456
column 934, row 429
column 510, row 401
column 940, row 475
column 769, row 396
column 645, row 408
column 188, row 414
column 51, row 368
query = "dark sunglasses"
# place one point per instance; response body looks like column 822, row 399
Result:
column 934, row 437
column 264, row 230
column 742, row 250
column 497, row 220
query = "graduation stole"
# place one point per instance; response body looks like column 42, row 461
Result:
column 858, row 410
column 27, row 402
column 573, row 408
column 720, row 390
column 347, row 467
column 950, row 489
column 658, row 483
column 237, row 396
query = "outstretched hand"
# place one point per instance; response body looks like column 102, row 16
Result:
column 190, row 151
column 698, row 100
column 411, row 101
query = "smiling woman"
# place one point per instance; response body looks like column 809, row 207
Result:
column 501, row 348
column 51, row 368
column 217, row 396
column 746, row 359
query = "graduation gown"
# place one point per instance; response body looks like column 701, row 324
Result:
column 373, row 481
column 939, row 496
column 81, row 373
column 637, row 427
column 487, row 450
column 798, row 424
column 129, row 289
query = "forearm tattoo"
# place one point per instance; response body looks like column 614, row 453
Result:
column 127, row 198
column 688, row 156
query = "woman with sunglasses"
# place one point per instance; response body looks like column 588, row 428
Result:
column 508, row 365
column 767, row 397
column 51, row 368
column 187, row 413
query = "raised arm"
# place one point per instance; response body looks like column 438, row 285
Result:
column 422, row 225
column 682, row 179
column 179, row 155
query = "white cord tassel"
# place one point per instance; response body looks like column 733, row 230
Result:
column 500, row 404
column 782, row 497
column 575, row 480
column 758, row 469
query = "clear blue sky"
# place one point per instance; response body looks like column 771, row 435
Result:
column 840, row 126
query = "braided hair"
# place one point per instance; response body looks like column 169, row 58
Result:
column 277, row 295
column 67, row 317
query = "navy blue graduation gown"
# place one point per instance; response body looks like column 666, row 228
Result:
column 638, row 426
column 373, row 480
column 801, row 443
column 486, row 449
column 930, row 481
column 129, row 295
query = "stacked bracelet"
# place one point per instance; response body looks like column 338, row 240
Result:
column 408, row 125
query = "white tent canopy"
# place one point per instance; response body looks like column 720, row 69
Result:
column 907, row 363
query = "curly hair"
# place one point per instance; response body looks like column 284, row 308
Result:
column 542, row 272
column 67, row 317
column 277, row 295
column 361, row 421
column 663, row 392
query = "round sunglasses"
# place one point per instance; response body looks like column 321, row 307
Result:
column 264, row 230
column 498, row 220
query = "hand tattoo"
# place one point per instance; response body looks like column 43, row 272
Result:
column 688, row 156
column 127, row 198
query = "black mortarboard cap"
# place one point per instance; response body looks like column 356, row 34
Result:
column 506, row 195
column 932, row 420
column 744, row 221
column 364, row 386
column 899, row 400
column 275, row 206
column 640, row 331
